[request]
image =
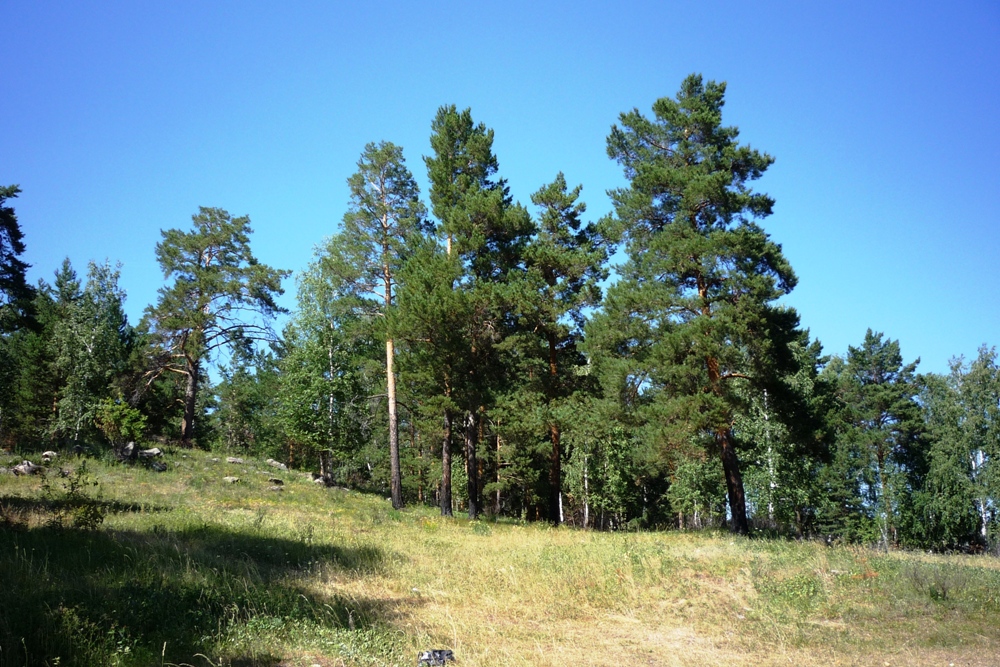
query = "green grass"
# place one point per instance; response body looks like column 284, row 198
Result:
column 181, row 568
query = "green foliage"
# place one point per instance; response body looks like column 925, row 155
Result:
column 880, row 457
column 221, row 297
column 15, row 294
column 119, row 422
column 692, row 321
column 30, row 381
column 92, row 342
column 329, row 367
column 962, row 411
column 71, row 502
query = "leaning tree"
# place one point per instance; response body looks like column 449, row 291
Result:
column 220, row 297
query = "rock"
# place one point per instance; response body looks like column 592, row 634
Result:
column 150, row 453
column 234, row 459
column 276, row 481
column 48, row 456
column 128, row 451
column 230, row 480
column 3, row 471
column 214, row 460
column 319, row 480
column 158, row 466
column 275, row 488
column 276, row 464
column 436, row 657
column 79, row 450
column 26, row 468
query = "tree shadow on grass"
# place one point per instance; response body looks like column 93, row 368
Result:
column 47, row 506
column 95, row 597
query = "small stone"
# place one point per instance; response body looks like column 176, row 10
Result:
column 276, row 481
column 275, row 488
column 158, row 466
column 318, row 480
column 26, row 468
column 234, row 459
column 438, row 656
column 48, row 456
column 276, row 464
column 150, row 453
column 230, row 480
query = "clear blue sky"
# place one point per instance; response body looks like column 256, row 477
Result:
column 121, row 118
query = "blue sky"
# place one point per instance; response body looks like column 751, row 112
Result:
column 121, row 118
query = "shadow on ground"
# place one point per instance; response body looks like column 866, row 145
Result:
column 95, row 597
column 15, row 505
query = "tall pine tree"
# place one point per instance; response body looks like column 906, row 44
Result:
column 692, row 323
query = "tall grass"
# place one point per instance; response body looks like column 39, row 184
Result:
column 184, row 568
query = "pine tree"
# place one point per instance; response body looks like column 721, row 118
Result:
column 692, row 320
column 565, row 263
column 15, row 294
column 882, row 431
column 484, row 230
column 221, row 296
column 383, row 220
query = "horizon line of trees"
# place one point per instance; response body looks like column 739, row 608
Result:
column 462, row 352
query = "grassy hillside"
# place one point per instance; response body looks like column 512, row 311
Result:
column 184, row 568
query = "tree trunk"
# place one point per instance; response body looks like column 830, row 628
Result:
column 395, row 474
column 190, row 401
column 734, row 483
column 555, row 475
column 326, row 466
column 472, row 467
column 446, row 467
column 496, row 496
column 555, row 457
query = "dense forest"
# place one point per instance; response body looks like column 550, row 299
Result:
column 471, row 352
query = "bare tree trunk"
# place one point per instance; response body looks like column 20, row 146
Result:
column 190, row 402
column 446, row 467
column 472, row 467
column 330, row 398
column 555, row 456
column 734, row 483
column 496, row 496
column 395, row 473
column 326, row 466
column 586, row 495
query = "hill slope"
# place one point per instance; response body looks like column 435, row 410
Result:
column 184, row 567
